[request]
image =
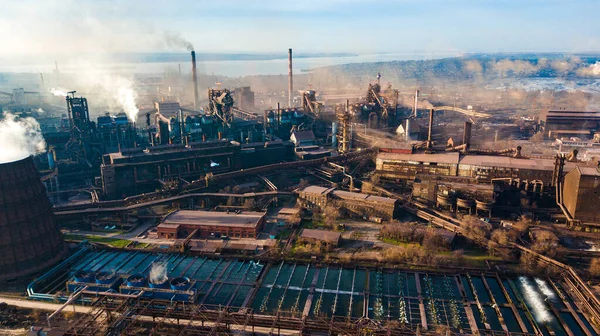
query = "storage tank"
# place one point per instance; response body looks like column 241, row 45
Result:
column 29, row 238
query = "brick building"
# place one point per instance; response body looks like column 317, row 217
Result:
column 211, row 224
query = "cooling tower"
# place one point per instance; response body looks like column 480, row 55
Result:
column 29, row 239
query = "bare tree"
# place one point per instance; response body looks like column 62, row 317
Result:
column 476, row 229
column 594, row 268
column 501, row 237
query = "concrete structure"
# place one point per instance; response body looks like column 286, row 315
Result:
column 361, row 205
column 581, row 195
column 207, row 224
column 556, row 124
column 29, row 238
column 330, row 237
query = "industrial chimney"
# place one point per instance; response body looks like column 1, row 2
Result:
column 290, row 78
column 29, row 239
column 430, row 129
column 195, row 80
column 467, row 133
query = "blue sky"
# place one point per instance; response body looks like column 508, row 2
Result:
column 43, row 26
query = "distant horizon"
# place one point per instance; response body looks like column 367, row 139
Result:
column 181, row 56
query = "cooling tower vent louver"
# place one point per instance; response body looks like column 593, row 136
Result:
column 105, row 278
column 180, row 283
column 136, row 280
column 29, row 239
column 84, row 276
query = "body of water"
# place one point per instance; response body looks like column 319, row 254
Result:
column 227, row 68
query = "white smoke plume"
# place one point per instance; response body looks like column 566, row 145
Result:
column 19, row 138
column 106, row 88
column 592, row 70
column 158, row 273
column 58, row 92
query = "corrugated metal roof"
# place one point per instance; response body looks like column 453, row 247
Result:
column 317, row 190
column 447, row 158
column 191, row 217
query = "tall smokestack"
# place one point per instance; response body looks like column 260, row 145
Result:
column 195, row 79
column 291, row 79
column 416, row 104
column 467, row 134
column 430, row 129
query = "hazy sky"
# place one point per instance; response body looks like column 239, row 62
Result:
column 50, row 26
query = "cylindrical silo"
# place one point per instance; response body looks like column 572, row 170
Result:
column 29, row 238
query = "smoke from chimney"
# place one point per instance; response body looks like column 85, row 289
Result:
column 58, row 93
column 19, row 138
column 174, row 40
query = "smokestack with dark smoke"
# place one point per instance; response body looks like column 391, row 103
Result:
column 195, row 79
column 291, row 79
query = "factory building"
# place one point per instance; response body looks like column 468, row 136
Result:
column 355, row 203
column 134, row 171
column 211, row 224
column 29, row 238
column 481, row 168
column 580, row 195
column 557, row 124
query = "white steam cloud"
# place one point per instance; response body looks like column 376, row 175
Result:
column 114, row 90
column 19, row 138
column 58, row 93
column 158, row 273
